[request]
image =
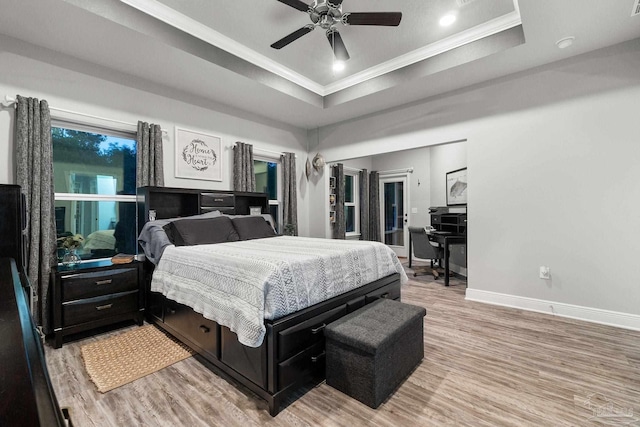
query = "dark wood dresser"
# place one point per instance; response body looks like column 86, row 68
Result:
column 95, row 294
column 26, row 395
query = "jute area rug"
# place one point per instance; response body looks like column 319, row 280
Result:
column 121, row 359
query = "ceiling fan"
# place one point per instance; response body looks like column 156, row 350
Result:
column 327, row 14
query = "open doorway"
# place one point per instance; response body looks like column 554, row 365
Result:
column 394, row 215
column 426, row 168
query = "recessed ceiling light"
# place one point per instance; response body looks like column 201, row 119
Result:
column 447, row 19
column 338, row 65
column 565, row 42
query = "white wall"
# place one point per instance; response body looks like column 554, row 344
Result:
column 31, row 73
column 553, row 159
column 445, row 158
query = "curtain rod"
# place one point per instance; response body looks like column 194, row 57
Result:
column 347, row 168
column 8, row 101
column 394, row 171
column 260, row 150
column 387, row 172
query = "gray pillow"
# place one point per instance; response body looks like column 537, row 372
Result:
column 202, row 231
column 252, row 227
column 267, row 217
column 153, row 238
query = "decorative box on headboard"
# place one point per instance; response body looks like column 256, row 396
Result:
column 168, row 202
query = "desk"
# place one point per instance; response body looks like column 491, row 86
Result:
column 444, row 240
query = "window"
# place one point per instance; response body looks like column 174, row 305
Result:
column 95, row 189
column 267, row 174
column 351, row 203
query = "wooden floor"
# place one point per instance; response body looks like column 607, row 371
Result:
column 484, row 366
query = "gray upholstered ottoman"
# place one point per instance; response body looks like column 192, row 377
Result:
column 372, row 350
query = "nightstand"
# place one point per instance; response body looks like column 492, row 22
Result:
column 95, row 294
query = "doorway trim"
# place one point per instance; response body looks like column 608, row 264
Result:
column 398, row 174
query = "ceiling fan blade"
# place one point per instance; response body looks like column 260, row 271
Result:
column 296, row 4
column 391, row 19
column 292, row 37
column 337, row 45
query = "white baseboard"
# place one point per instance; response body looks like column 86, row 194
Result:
column 588, row 314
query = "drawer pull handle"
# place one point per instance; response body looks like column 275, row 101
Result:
column 103, row 307
column 104, row 282
column 385, row 295
column 204, row 329
column 315, row 359
column 318, row 329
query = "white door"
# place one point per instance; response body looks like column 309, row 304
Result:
column 394, row 213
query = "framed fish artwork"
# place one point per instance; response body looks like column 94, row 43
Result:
column 457, row 187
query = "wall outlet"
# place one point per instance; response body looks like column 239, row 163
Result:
column 545, row 272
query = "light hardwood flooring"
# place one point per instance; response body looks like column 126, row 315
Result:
column 484, row 366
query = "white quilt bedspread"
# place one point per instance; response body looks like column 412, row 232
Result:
column 239, row 284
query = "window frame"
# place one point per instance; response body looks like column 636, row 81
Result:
column 355, row 173
column 271, row 202
column 85, row 197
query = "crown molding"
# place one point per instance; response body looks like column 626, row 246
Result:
column 478, row 32
column 196, row 29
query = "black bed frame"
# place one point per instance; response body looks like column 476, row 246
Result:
column 292, row 353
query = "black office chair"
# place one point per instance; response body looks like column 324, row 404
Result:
column 423, row 249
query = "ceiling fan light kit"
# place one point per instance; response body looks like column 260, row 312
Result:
column 327, row 14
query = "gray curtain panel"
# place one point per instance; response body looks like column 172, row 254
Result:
column 34, row 160
column 289, row 197
column 363, row 177
column 374, row 207
column 339, row 227
column 244, row 178
column 149, row 170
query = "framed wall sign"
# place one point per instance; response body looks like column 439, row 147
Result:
column 198, row 156
column 457, row 187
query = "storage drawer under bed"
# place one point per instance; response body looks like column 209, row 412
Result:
column 391, row 291
column 308, row 363
column 193, row 326
column 298, row 337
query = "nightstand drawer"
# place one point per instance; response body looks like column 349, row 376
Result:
column 87, row 310
column 92, row 284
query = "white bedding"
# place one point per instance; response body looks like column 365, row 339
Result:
column 239, row 284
